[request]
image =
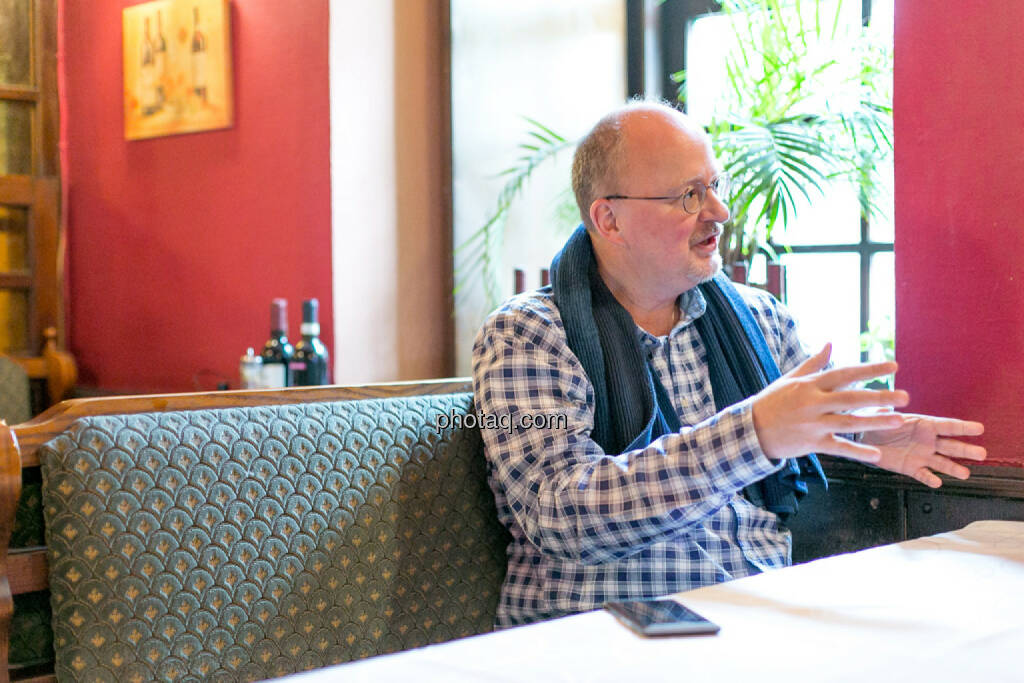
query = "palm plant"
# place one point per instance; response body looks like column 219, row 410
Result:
column 807, row 107
column 478, row 251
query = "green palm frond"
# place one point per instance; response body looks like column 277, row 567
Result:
column 781, row 146
column 773, row 162
column 479, row 252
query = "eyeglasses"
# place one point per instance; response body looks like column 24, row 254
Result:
column 692, row 198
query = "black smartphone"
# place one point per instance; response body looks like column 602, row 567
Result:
column 660, row 618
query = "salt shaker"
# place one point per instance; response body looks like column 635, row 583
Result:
column 250, row 370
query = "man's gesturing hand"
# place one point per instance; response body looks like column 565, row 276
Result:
column 802, row 411
column 922, row 444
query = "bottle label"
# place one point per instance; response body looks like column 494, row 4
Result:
column 299, row 365
column 273, row 376
column 310, row 329
column 199, row 70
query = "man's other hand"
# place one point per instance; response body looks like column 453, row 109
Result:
column 806, row 409
column 921, row 446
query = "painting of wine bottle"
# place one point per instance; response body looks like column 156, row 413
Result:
column 177, row 67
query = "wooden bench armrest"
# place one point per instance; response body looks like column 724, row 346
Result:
column 56, row 367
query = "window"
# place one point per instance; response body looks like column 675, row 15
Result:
column 840, row 275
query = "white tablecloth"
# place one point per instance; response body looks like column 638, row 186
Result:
column 942, row 608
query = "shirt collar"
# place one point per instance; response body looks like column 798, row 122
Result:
column 692, row 305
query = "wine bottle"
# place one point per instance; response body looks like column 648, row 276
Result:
column 198, row 57
column 277, row 352
column 309, row 364
column 148, row 99
column 160, row 58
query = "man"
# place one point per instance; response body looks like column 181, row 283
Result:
column 681, row 449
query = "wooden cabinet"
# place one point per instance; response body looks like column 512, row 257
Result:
column 849, row 516
column 934, row 512
column 865, row 507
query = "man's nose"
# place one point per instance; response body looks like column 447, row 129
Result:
column 714, row 208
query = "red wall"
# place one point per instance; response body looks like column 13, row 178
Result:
column 959, row 107
column 177, row 244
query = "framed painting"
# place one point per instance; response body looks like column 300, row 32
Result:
column 177, row 67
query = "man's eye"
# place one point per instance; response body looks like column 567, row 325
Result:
column 689, row 193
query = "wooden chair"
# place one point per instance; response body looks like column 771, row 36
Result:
column 775, row 283
column 775, row 279
column 53, row 368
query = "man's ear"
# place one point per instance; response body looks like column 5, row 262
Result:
column 602, row 216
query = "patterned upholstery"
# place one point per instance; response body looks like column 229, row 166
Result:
column 31, row 638
column 31, row 632
column 246, row 543
column 15, row 397
column 28, row 517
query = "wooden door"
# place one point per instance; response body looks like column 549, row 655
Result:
column 30, row 287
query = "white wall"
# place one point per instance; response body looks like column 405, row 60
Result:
column 561, row 63
column 363, row 190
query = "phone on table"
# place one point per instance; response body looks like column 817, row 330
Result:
column 660, row 618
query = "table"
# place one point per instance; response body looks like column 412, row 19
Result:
column 941, row 608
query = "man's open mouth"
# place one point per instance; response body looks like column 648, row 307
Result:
column 709, row 241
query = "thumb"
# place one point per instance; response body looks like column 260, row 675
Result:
column 813, row 363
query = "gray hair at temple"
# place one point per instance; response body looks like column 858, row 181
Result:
column 600, row 155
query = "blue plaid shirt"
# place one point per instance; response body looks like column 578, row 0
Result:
column 589, row 527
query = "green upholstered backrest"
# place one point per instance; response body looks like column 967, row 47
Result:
column 245, row 543
column 15, row 399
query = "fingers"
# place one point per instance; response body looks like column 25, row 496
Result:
column 862, row 423
column 948, row 426
column 943, row 465
column 844, row 448
column 855, row 399
column 959, row 449
column 813, row 363
column 927, row 477
column 947, row 466
column 832, row 379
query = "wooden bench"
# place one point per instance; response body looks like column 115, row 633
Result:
column 407, row 552
column 243, row 535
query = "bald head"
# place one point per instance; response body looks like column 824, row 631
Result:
column 618, row 142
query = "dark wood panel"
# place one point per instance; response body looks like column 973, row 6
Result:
column 13, row 92
column 27, row 570
column 20, row 280
column 935, row 512
column 48, row 136
column 10, row 490
column 47, row 306
column 33, row 674
column 849, row 516
column 1007, row 482
column 16, row 189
